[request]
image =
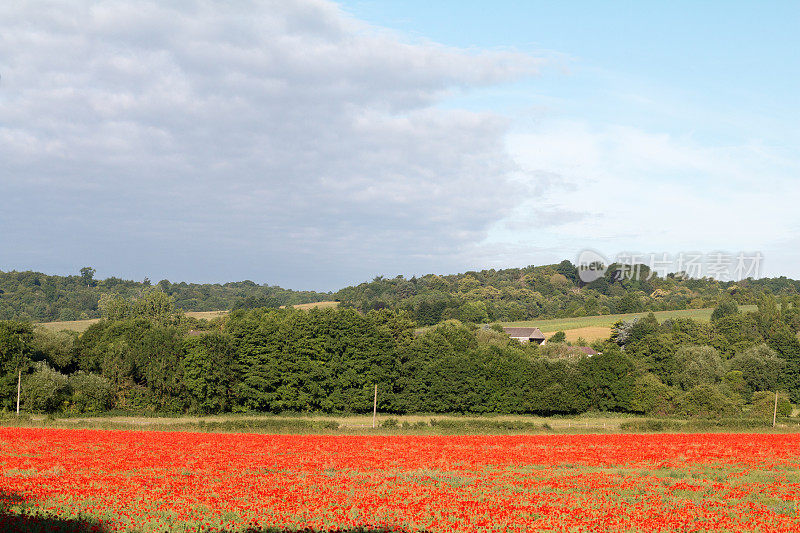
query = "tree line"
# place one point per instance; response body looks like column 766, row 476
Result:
column 33, row 296
column 548, row 291
column 148, row 358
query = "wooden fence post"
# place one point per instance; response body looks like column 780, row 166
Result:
column 375, row 406
column 19, row 385
column 775, row 410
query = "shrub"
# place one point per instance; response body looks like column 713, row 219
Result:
column 640, row 426
column 45, row 391
column 760, row 367
column 652, row 396
column 735, row 383
column 763, row 404
column 389, row 423
column 725, row 308
column 559, row 350
column 56, row 347
column 491, row 337
column 707, row 401
column 473, row 311
column 699, row 365
column 91, row 393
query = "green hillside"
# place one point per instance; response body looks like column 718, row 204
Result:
column 537, row 293
column 34, row 296
column 549, row 292
column 564, row 324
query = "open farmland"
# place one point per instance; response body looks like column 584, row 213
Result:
column 589, row 328
column 70, row 325
column 161, row 481
column 83, row 325
column 599, row 326
column 589, row 333
column 315, row 305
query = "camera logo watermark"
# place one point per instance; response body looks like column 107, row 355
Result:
column 721, row 266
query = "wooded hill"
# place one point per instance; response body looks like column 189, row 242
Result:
column 541, row 292
column 33, row 296
column 551, row 291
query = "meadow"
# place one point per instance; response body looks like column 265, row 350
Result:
column 589, row 328
column 82, row 325
column 179, row 482
column 597, row 327
column 393, row 424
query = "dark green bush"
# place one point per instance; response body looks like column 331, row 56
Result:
column 650, row 396
column 707, row 401
column 45, row 391
column 763, row 405
column 389, row 423
column 91, row 393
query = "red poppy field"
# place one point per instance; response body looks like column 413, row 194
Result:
column 160, row 481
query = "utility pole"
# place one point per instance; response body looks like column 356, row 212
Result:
column 375, row 406
column 775, row 410
column 19, row 386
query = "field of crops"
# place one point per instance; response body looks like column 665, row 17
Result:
column 556, row 324
column 587, row 327
column 161, row 481
column 82, row 325
column 596, row 327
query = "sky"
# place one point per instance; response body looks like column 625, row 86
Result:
column 313, row 144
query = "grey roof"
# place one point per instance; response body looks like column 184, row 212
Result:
column 527, row 333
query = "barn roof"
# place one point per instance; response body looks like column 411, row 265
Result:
column 528, row 333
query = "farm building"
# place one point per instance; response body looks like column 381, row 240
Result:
column 526, row 334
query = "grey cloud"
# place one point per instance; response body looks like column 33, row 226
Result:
column 281, row 141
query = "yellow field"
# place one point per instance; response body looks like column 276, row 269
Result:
column 589, row 334
column 82, row 325
column 206, row 315
column 320, row 305
column 69, row 325
column 599, row 327
column 563, row 324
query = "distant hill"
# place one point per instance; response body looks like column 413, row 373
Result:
column 549, row 292
column 82, row 325
column 506, row 295
column 44, row 298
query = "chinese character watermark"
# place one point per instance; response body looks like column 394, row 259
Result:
column 717, row 265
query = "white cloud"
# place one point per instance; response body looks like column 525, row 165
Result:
column 279, row 135
column 288, row 142
column 638, row 191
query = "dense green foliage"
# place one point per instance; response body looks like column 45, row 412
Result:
column 147, row 356
column 39, row 297
column 151, row 358
column 551, row 291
